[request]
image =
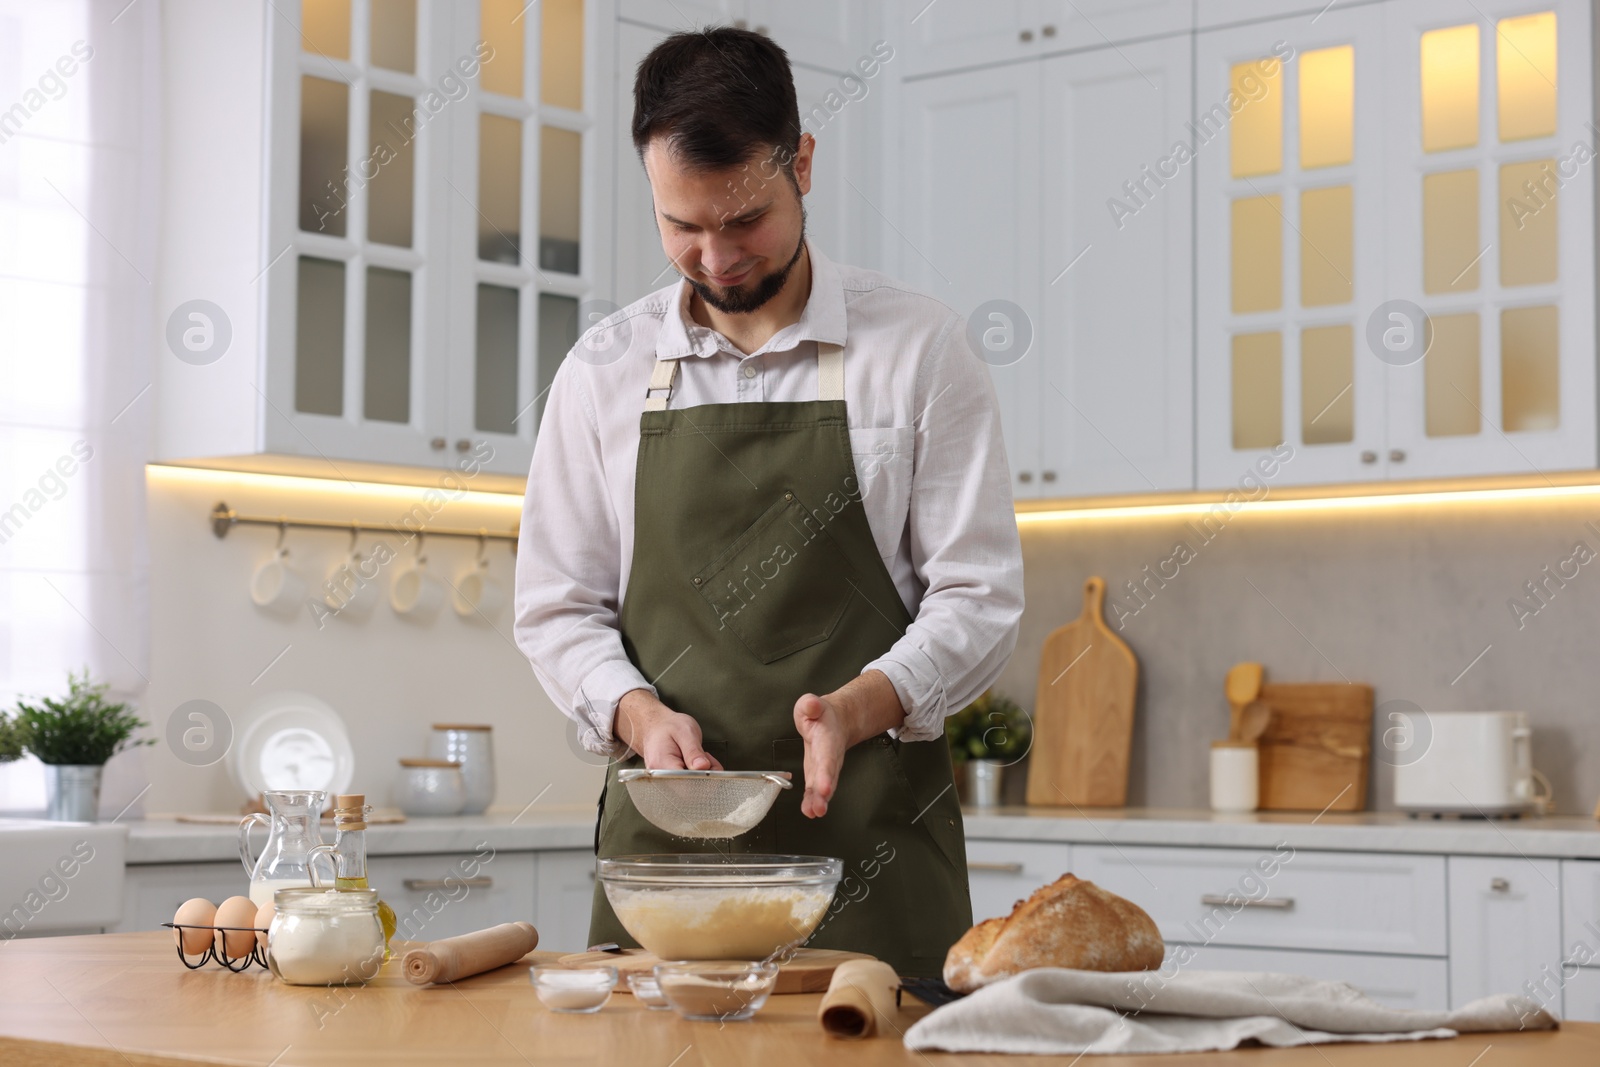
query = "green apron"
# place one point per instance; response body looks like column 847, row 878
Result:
column 755, row 579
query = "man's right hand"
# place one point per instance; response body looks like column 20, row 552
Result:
column 667, row 739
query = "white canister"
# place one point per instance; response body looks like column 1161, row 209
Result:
column 472, row 746
column 429, row 787
column 1235, row 776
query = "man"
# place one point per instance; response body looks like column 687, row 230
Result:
column 769, row 521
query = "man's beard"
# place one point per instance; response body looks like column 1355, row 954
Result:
column 739, row 301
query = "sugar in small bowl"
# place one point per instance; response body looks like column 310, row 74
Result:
column 577, row 992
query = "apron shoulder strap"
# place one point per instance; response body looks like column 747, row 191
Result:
column 830, row 377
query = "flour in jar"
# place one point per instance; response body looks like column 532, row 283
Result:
column 725, row 923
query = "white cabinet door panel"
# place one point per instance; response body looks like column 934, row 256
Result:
column 1336, row 901
column 1115, row 346
column 565, row 897
column 444, row 895
column 1505, row 925
column 1001, row 873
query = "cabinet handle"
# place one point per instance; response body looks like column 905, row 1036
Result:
column 997, row 868
column 740, row 24
column 1500, row 885
column 762, row 30
column 1026, row 36
column 1025, row 476
column 1369, row 456
column 463, row 445
column 1048, row 476
column 1397, row 455
column 483, row 882
column 1218, row 900
column 437, row 444
column 1048, row 30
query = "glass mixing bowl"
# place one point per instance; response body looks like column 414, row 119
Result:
column 710, row 907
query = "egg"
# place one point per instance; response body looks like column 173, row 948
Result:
column 239, row 912
column 196, row 911
column 264, row 920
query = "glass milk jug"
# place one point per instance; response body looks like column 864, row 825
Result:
column 294, row 828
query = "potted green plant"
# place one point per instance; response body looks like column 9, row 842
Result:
column 73, row 737
column 986, row 736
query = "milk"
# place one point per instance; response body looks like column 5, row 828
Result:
column 261, row 892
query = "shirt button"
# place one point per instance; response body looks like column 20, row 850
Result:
column 749, row 371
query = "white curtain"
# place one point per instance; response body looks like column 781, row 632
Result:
column 79, row 113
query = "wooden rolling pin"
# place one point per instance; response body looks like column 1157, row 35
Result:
column 861, row 992
column 453, row 958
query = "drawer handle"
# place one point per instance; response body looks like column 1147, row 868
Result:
column 998, row 868
column 447, row 883
column 1217, row 900
column 1500, row 885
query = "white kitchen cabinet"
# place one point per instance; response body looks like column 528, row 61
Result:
column 1580, row 911
column 1581, row 995
column 1505, row 925
column 422, row 218
column 1000, row 873
column 1360, row 167
column 969, row 174
column 953, row 34
column 1334, row 901
column 1114, row 341
column 826, row 34
column 153, row 891
column 564, row 899
column 444, row 895
column 1418, row 983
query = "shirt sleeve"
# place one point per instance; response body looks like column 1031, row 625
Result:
column 569, row 570
column 964, row 545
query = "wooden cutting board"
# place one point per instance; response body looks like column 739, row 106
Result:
column 1317, row 749
column 809, row 971
column 1083, row 714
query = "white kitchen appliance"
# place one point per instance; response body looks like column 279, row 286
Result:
column 1469, row 763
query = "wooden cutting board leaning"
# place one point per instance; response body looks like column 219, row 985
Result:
column 1083, row 712
column 1316, row 750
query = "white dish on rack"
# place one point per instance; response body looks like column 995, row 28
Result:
column 292, row 740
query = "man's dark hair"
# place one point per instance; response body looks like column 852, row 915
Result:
column 717, row 96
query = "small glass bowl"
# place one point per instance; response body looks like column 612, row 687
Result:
column 647, row 991
column 716, row 990
column 572, row 991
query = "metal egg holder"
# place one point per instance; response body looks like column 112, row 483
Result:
column 214, row 954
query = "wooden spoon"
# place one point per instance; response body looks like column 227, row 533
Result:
column 1254, row 720
column 1242, row 686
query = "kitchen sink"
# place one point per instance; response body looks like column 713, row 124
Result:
column 60, row 877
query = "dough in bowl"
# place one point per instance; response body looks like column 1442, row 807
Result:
column 1068, row 923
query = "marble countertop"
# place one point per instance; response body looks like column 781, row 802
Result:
column 1564, row 836
column 1558, row 836
column 160, row 840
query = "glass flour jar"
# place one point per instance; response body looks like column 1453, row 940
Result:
column 325, row 936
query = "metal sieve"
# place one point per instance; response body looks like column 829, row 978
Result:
column 704, row 804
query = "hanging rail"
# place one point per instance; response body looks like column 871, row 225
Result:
column 224, row 518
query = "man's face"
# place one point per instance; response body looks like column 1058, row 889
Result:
column 733, row 234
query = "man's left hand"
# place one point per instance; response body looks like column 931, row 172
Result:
column 864, row 707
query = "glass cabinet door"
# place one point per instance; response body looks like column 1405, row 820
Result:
column 522, row 263
column 1491, row 202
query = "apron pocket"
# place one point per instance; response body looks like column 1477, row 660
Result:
column 784, row 584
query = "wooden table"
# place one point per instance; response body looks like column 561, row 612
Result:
column 124, row 999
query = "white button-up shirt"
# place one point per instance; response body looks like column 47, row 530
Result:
column 925, row 433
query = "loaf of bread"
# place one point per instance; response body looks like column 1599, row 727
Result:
column 1068, row 923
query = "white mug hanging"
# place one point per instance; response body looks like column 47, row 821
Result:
column 416, row 594
column 276, row 586
column 478, row 594
column 350, row 590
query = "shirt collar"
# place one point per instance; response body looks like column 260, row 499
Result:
column 822, row 319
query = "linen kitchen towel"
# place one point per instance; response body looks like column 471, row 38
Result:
column 1060, row 1011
